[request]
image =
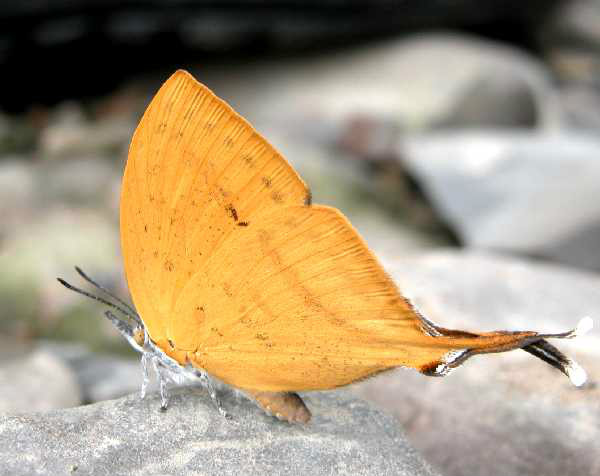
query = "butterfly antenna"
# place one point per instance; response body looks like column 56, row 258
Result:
column 134, row 316
column 102, row 288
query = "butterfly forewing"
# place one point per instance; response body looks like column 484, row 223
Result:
column 193, row 165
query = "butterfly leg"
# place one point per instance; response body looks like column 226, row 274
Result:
column 145, row 374
column 287, row 406
column 162, row 383
column 213, row 394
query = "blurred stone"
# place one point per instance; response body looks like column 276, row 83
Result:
column 16, row 135
column 571, row 39
column 36, row 382
column 28, row 189
column 70, row 133
column 82, row 181
column 104, row 378
column 510, row 412
column 17, row 188
column 576, row 66
column 100, row 377
column 35, row 254
column 530, row 193
column 500, row 100
column 345, row 437
column 415, row 82
column 581, row 107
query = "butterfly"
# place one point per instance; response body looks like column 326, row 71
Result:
column 236, row 274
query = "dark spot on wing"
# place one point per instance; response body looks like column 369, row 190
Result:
column 267, row 182
column 277, row 197
column 242, row 223
column 169, row 265
column 260, row 336
column 227, row 289
column 248, row 159
column 171, row 343
column 308, row 198
column 232, row 212
column 146, row 228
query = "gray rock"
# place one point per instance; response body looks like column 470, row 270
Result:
column 504, row 414
column 133, row 437
column 502, row 99
column 105, row 378
column 581, row 107
column 530, row 193
column 415, row 81
column 37, row 382
column 101, row 377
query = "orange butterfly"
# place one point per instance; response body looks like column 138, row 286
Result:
column 235, row 273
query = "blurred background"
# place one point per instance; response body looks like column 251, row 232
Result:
column 461, row 137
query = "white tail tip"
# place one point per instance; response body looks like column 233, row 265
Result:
column 576, row 373
column 584, row 326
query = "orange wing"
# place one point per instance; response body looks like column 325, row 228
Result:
column 233, row 270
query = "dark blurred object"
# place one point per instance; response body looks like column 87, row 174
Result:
column 570, row 38
column 62, row 49
column 494, row 101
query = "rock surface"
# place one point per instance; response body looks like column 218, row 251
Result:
column 101, row 377
column 37, row 382
column 129, row 436
column 530, row 193
column 504, row 414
